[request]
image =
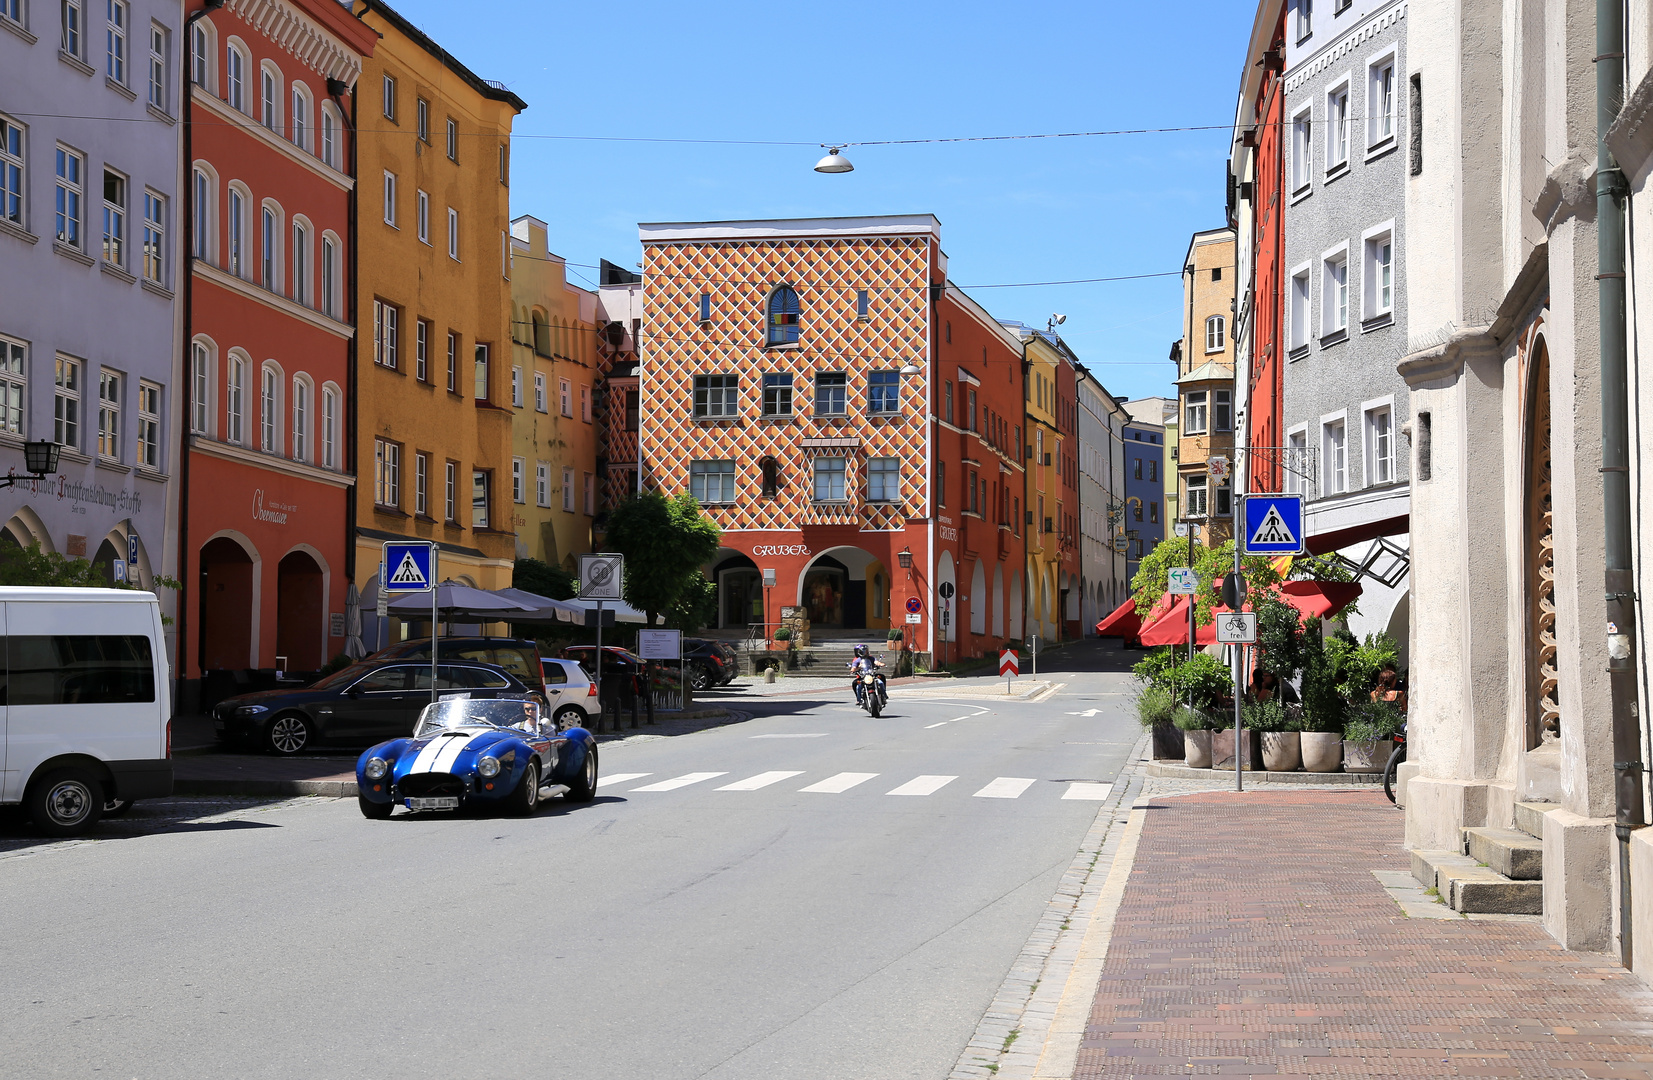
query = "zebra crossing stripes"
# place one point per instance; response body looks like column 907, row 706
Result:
column 837, row 785
column 1095, row 792
column 680, row 781
column 620, row 778
column 1002, row 787
column 1005, row 787
column 923, row 785
column 762, row 780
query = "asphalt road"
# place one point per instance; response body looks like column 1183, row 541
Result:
column 683, row 932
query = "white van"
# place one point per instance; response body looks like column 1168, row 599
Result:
column 85, row 707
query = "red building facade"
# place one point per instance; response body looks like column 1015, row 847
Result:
column 1265, row 396
column 793, row 375
column 267, row 466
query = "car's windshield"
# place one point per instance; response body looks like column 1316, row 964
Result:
column 466, row 712
column 342, row 677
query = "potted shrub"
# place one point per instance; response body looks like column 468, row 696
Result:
column 1282, row 742
column 1156, row 707
column 1368, row 736
column 1196, row 736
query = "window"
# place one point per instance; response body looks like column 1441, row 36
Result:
column 769, row 473
column 389, row 103
column 115, row 41
column 1380, row 274
column 861, row 304
column 421, row 349
column 516, row 389
column 453, row 140
column 235, row 402
column 1194, row 497
column 421, row 483
column 1225, row 499
column 972, row 417
column 422, row 117
column 329, row 137
column 149, row 425
column 11, row 172
column 235, row 79
column 1334, row 300
column 301, row 263
column 831, row 393
column 633, row 409
column 1305, row 18
column 782, row 318
column 777, row 394
column 1216, row 273
column 480, row 355
column 74, row 27
column 519, row 482
column 1193, row 413
column 1137, row 469
column 69, row 190
column 1414, row 113
column 299, row 126
column 13, row 385
column 715, row 396
column 329, row 428
column 941, row 483
column 387, row 335
column 1300, row 152
column 884, row 480
column 505, row 167
column 453, row 362
column 387, row 473
column 1337, row 128
column 1380, row 446
column 271, row 244
column 1334, row 453
column 1297, row 452
column 1214, row 337
column 114, row 217
column 1222, row 410
column 705, row 307
column 829, row 479
column 1153, row 468
column 585, row 404
column 154, row 238
column 66, row 403
column 269, row 97
column 568, row 491
column 1299, row 318
column 1380, row 102
column 329, row 276
column 451, row 492
column 884, row 392
column 422, row 202
column 453, row 233
column 269, row 411
column 540, row 402
column 947, row 400
column 542, row 484
column 108, row 669
column 390, row 198
column 1153, row 513
column 109, row 415
column 201, row 45
column 712, row 481
column 301, row 420
column 565, row 397
column 238, row 231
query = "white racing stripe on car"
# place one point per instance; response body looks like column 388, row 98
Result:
column 455, row 746
column 427, row 755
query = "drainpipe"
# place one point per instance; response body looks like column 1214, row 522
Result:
column 1615, row 456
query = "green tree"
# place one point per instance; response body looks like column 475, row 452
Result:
column 1210, row 564
column 696, row 607
column 665, row 541
column 35, row 568
column 543, row 579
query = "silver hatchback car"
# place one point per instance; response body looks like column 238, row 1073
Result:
column 570, row 692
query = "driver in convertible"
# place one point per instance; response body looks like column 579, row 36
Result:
column 864, row 662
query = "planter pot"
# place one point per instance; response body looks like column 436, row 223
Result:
column 1168, row 743
column 1222, row 751
column 1322, row 750
column 1282, row 751
column 1196, row 749
column 1367, row 757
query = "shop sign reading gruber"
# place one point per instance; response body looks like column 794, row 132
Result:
column 760, row 551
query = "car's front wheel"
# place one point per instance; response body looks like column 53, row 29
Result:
column 526, row 798
column 288, row 734
column 377, row 811
column 67, row 802
column 699, row 677
column 584, row 787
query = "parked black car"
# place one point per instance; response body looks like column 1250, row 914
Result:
column 519, row 656
column 710, row 663
column 364, row 703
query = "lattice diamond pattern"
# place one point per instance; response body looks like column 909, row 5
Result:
column 826, row 274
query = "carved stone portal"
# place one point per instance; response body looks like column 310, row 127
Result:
column 1544, row 709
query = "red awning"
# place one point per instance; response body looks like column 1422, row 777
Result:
column 1171, row 628
column 1123, row 622
column 1313, row 599
column 1317, row 599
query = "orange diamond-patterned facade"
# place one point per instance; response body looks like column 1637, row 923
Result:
column 790, row 375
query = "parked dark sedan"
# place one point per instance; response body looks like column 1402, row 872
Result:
column 519, row 656
column 364, row 703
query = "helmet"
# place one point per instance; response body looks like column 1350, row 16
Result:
column 860, row 650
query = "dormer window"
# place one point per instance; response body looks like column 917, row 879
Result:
column 782, row 318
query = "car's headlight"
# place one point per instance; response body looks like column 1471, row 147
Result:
column 250, row 710
column 488, row 766
column 375, row 768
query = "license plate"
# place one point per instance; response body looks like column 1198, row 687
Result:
column 448, row 803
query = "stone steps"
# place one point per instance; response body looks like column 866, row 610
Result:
column 1495, row 871
column 1511, row 852
column 1529, row 816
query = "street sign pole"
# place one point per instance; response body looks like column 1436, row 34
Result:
column 1239, row 684
column 433, row 630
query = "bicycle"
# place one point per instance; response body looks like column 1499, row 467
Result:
column 1396, row 756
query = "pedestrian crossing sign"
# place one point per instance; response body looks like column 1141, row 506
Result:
column 411, row 567
column 1271, row 524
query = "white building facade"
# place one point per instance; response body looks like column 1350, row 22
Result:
column 1101, row 500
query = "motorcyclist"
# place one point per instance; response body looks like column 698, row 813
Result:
column 864, row 662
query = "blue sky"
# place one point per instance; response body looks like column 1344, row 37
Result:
column 1015, row 211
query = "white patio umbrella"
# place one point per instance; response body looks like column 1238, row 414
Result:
column 353, row 646
column 456, row 601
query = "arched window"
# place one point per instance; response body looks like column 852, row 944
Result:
column 301, row 418
column 542, row 334
column 202, row 51
column 783, row 316
column 203, row 212
column 770, row 470
column 269, row 96
column 1214, row 327
column 299, row 118
column 270, row 247
column 330, row 275
column 202, row 360
column 269, row 410
column 235, row 401
column 235, row 78
column 237, row 251
column 301, row 262
column 330, row 427
column 329, row 149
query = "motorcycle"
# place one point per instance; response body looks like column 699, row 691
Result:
column 870, row 689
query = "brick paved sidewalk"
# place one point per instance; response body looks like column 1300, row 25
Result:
column 1253, row 940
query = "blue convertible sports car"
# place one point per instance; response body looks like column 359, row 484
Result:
column 466, row 751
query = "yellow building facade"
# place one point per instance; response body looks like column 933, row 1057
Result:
column 1205, row 387
column 554, row 382
column 1044, row 496
column 433, row 300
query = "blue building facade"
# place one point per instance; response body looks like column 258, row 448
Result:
column 1145, row 509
